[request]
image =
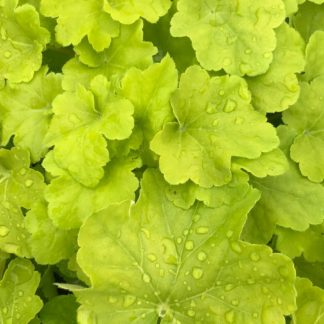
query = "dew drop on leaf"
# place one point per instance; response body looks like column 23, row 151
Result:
column 202, row 230
column 236, row 247
column 4, row 230
column 197, row 273
column 254, row 256
column 23, row 171
column 248, row 51
column 229, row 287
column 146, row 278
column 230, row 106
column 215, row 122
column 5, row 310
column 229, row 234
column 191, row 313
column 229, row 316
column 146, row 233
column 152, row 257
column 7, row 54
column 129, row 300
column 234, row 302
column 189, row 245
column 239, row 120
column 202, row 256
column 29, row 183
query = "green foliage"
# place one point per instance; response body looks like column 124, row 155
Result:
column 161, row 162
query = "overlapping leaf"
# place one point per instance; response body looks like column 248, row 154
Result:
column 238, row 38
column 128, row 11
column 22, row 41
column 307, row 118
column 278, row 88
column 83, row 121
column 89, row 20
column 127, row 50
column 215, row 122
column 26, row 112
column 18, row 302
column 155, row 261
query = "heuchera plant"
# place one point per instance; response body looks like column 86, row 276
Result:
column 162, row 161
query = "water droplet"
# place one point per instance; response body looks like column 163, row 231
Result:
column 196, row 218
column 146, row 233
column 112, row 299
column 221, row 93
column 239, row 120
column 20, row 293
column 255, row 315
column 23, row 171
column 267, row 55
column 211, row 108
column 202, row 256
column 169, row 251
column 244, row 68
column 254, row 256
column 4, row 230
column 234, row 302
column 179, row 240
column 229, row 234
column 129, row 300
column 216, row 122
column 189, row 245
column 7, row 54
column 5, row 310
column 152, row 257
column 222, row 297
column 29, row 183
column 229, row 317
column 197, row 273
column 279, row 301
column 231, row 40
column 230, row 106
column 185, row 232
column 248, row 51
column 227, row 62
column 18, row 316
column 244, row 93
column 191, row 313
column 3, row 33
column 284, row 271
column 236, row 247
column 229, row 287
column 202, row 230
column 146, row 278
column 265, row 290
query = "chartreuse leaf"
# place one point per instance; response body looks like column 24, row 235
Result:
column 278, row 88
column 215, row 122
column 59, row 310
column 19, row 184
column 307, row 118
column 237, row 38
column 22, row 41
column 18, row 302
column 273, row 163
column 128, row 11
column 308, row 243
column 48, row 244
column 26, row 111
column 90, row 19
column 314, row 55
column 127, row 50
column 308, row 19
column 155, row 262
column 291, row 6
column 186, row 194
column 70, row 203
column 310, row 302
column 288, row 200
column 13, row 235
column 150, row 91
column 83, row 121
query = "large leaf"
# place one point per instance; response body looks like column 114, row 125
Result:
column 22, row 41
column 156, row 262
column 26, row 111
column 18, row 303
column 215, row 122
column 238, row 38
column 83, row 121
